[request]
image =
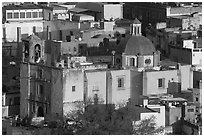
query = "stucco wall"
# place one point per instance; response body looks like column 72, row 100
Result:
column 197, row 58
column 26, row 29
column 73, row 78
column 150, row 81
column 57, row 92
column 136, row 86
column 161, row 114
column 113, row 11
column 120, row 94
column 24, row 90
column 181, row 55
column 96, row 83
column 68, row 48
column 186, row 77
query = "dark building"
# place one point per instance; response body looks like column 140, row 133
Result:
column 147, row 13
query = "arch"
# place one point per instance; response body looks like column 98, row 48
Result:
column 40, row 112
column 37, row 52
column 132, row 62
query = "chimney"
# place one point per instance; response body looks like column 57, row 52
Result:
column 145, row 102
column 34, row 29
column 48, row 37
column 183, row 110
column 200, row 84
column 18, row 34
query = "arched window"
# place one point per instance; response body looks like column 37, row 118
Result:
column 40, row 112
column 132, row 61
column 37, row 52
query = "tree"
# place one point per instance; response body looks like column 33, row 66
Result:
column 104, row 119
column 147, row 127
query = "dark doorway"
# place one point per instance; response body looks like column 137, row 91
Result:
column 40, row 112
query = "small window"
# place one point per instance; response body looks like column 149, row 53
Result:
column 33, row 107
column 191, row 110
column 35, row 14
column 22, row 14
column 40, row 14
column 161, row 82
column 49, row 16
column 73, row 89
column 132, row 62
column 197, row 99
column 121, row 83
column 16, row 100
column 28, row 14
column 194, row 45
column 71, row 33
column 40, row 73
column 41, row 92
column 60, row 35
column 9, row 15
column 16, row 15
column 10, row 101
column 68, row 38
column 75, row 49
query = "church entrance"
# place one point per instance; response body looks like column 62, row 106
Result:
column 40, row 112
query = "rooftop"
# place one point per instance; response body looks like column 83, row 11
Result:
column 26, row 6
column 182, row 17
column 185, row 10
column 139, row 45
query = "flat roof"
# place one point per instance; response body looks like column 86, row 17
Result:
column 26, row 6
column 78, row 10
column 173, row 99
column 182, row 17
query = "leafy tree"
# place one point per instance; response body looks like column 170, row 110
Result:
column 147, row 127
column 103, row 119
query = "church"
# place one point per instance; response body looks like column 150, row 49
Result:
column 47, row 89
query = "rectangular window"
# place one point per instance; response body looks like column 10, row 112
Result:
column 121, row 83
column 41, row 92
column 40, row 14
column 49, row 16
column 161, row 82
column 191, row 110
column 194, row 45
column 35, row 14
column 28, row 14
column 40, row 73
column 22, row 14
column 73, row 89
column 68, row 38
column 16, row 100
column 197, row 99
column 60, row 35
column 10, row 101
column 9, row 15
column 16, row 15
column 71, row 33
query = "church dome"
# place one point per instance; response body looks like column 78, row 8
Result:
column 139, row 45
